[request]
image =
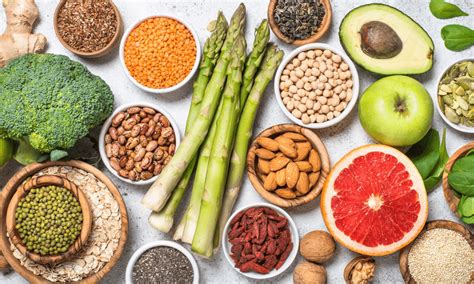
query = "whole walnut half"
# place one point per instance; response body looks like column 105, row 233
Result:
column 317, row 246
column 360, row 270
column 309, row 273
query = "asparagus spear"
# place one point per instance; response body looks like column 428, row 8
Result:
column 262, row 34
column 220, row 155
column 163, row 220
column 189, row 220
column 156, row 197
column 270, row 63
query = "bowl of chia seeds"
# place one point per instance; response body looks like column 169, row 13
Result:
column 162, row 262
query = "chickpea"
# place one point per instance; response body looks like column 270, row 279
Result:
column 318, row 52
column 312, row 118
column 286, row 72
column 299, row 84
column 323, row 79
column 290, row 105
column 302, row 56
column 328, row 74
column 320, row 118
column 290, row 67
column 327, row 53
column 304, row 100
column 307, row 87
column 309, row 104
column 310, row 111
column 286, row 100
column 296, row 62
column 301, row 92
column 327, row 93
column 324, row 109
column 322, row 67
column 342, row 95
column 316, row 106
column 307, row 73
column 302, row 108
column 304, row 67
column 299, row 73
column 305, row 119
column 349, row 83
column 331, row 108
column 311, row 54
column 293, row 89
column 312, row 96
column 330, row 115
column 311, row 78
column 336, row 58
column 296, row 113
column 285, row 78
column 336, row 113
column 321, row 86
column 288, row 83
column 285, row 94
column 319, row 92
column 327, row 86
column 294, row 79
column 282, row 86
column 344, row 67
column 305, row 79
column 310, row 62
column 323, row 101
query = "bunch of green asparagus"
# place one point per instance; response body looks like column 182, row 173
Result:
column 226, row 97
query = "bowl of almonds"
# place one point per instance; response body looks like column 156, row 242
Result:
column 287, row 164
column 138, row 141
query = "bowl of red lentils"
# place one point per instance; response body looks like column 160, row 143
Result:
column 160, row 54
column 316, row 86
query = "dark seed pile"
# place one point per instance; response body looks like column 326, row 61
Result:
column 162, row 265
column 87, row 25
column 299, row 19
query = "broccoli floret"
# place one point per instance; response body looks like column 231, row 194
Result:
column 51, row 101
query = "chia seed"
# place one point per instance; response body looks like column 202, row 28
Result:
column 162, row 265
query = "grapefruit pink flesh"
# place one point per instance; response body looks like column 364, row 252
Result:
column 374, row 201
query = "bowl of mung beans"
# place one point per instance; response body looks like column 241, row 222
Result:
column 160, row 53
column 316, row 86
column 49, row 219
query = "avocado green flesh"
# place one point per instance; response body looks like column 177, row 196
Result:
column 416, row 56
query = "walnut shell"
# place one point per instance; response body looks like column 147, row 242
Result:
column 309, row 273
column 317, row 246
column 366, row 263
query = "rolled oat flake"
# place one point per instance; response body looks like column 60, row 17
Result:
column 163, row 265
column 441, row 256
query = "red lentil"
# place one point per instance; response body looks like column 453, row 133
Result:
column 160, row 52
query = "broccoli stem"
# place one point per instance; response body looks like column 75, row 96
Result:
column 25, row 154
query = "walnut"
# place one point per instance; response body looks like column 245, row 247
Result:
column 317, row 246
column 309, row 273
column 360, row 270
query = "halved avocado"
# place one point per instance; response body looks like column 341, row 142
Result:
column 383, row 40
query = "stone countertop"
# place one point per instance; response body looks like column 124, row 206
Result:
column 339, row 139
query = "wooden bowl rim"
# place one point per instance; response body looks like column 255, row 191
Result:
column 317, row 144
column 325, row 24
column 22, row 191
column 449, row 195
column 434, row 224
column 32, row 169
column 94, row 54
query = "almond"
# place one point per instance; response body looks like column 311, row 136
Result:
column 278, row 163
column 302, row 151
column 304, row 166
column 292, row 174
column 281, row 177
column 264, row 154
column 303, row 183
column 263, row 166
column 285, row 193
column 295, row 136
column 288, row 151
column 270, row 182
column 284, row 140
column 268, row 143
column 314, row 160
column 313, row 179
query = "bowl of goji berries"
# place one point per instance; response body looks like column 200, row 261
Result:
column 260, row 241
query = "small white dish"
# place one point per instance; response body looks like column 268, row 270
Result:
column 355, row 87
column 180, row 84
column 458, row 127
column 105, row 130
column 144, row 248
column 294, row 238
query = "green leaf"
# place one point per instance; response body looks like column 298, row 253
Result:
column 464, row 164
column 468, row 207
column 468, row 220
column 57, row 155
column 462, row 182
column 425, row 153
column 436, row 174
column 442, row 10
column 460, row 204
column 457, row 37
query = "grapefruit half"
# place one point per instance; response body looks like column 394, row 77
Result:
column 374, row 201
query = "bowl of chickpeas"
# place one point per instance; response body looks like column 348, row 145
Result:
column 160, row 54
column 316, row 86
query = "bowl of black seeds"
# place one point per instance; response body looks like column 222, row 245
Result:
column 299, row 22
column 162, row 262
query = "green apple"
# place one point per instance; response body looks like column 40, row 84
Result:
column 396, row 111
column 6, row 151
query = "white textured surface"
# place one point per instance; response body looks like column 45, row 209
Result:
column 339, row 140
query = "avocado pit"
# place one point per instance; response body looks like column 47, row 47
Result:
column 379, row 40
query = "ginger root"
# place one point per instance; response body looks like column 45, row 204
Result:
column 17, row 39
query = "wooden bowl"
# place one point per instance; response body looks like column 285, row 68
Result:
column 98, row 53
column 37, row 182
column 257, row 182
column 18, row 179
column 449, row 195
column 445, row 224
column 326, row 22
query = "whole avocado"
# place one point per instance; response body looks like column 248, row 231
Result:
column 50, row 101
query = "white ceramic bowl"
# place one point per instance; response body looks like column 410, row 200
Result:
column 180, row 84
column 458, row 127
column 142, row 249
column 355, row 87
column 105, row 129
column 294, row 238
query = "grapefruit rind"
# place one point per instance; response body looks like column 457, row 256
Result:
column 328, row 193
